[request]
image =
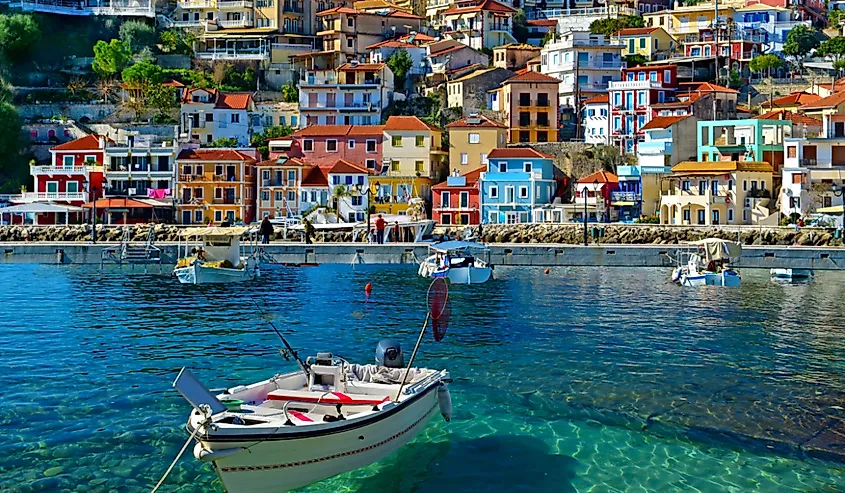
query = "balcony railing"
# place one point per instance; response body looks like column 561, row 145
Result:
column 234, row 4
column 70, row 7
column 195, row 4
column 808, row 162
column 227, row 201
column 625, row 197
column 29, row 197
column 234, row 24
column 634, row 84
column 57, row 170
column 232, row 53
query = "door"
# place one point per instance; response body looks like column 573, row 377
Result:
column 464, row 200
column 511, row 217
column 230, row 196
column 230, row 216
column 715, row 217
column 186, row 217
column 701, row 216
column 509, row 195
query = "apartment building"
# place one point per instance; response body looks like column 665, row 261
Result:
column 654, row 43
column 352, row 94
column 479, row 24
column 209, row 114
column 323, row 145
column 349, row 31
column 529, row 106
column 469, row 92
column 216, row 185
column 470, row 141
column 631, row 100
column 280, row 186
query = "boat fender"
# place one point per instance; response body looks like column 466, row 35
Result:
column 205, row 455
column 445, row 400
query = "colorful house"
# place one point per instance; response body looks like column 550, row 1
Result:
column 517, row 180
column 743, row 140
column 456, row 201
column 208, row 115
column 790, row 102
column 347, row 194
column 631, row 100
column 352, row 94
column 654, row 43
column 479, row 24
column 216, row 185
column 324, row 145
column 279, row 187
column 596, row 189
column 471, row 139
column 529, row 105
column 314, row 188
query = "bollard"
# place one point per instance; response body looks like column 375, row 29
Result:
column 60, row 256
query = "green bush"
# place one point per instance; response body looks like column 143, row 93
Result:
column 648, row 220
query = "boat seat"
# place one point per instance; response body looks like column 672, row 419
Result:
column 329, row 398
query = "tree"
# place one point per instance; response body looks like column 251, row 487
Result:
column 162, row 99
column 290, row 94
column 766, row 63
column 75, row 84
column 142, row 75
column 800, row 41
column 400, row 63
column 19, row 34
column 550, row 37
column 734, row 79
column 609, row 27
column 832, row 48
column 223, row 142
column 13, row 169
column 520, row 27
column 834, row 17
column 635, row 60
column 137, row 35
column 340, row 194
column 110, row 58
column 106, row 87
column 260, row 141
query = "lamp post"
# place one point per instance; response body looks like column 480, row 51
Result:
column 585, row 214
column 839, row 190
column 369, row 193
column 93, row 191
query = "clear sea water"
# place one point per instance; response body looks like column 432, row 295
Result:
column 599, row 380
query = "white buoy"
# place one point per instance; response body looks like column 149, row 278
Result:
column 445, row 400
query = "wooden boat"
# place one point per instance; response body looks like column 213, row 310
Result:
column 216, row 255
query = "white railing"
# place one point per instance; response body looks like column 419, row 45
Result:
column 196, row 4
column 234, row 4
column 586, row 12
column 234, row 54
column 229, row 24
column 56, row 170
column 634, row 84
column 45, row 196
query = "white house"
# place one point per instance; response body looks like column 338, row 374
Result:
column 355, row 179
column 596, row 120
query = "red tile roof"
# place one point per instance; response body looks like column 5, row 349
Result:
column 212, row 155
column 795, row 118
column 361, row 67
column 486, row 5
column 409, row 123
column 446, row 46
column 186, row 98
column 392, row 43
column 366, row 130
column 600, row 99
column 792, row 99
column 517, row 153
column 234, row 101
column 346, row 167
column 316, row 177
column 662, row 122
column 705, row 87
column 418, row 38
column 532, row 76
column 294, row 161
column 337, row 130
column 340, row 10
column 401, row 14
column 541, row 22
column 471, row 179
column 601, row 177
column 484, row 123
column 87, row 143
column 831, row 101
column 636, row 31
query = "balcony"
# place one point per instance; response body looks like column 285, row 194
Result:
column 634, row 84
column 106, row 7
column 278, row 183
column 226, row 201
column 655, row 147
column 694, row 197
column 234, row 4
column 625, row 197
column 58, row 170
column 207, row 177
column 234, row 53
column 168, row 22
column 292, row 7
column 195, row 4
column 29, row 197
column 234, row 24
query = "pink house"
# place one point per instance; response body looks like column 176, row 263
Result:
column 326, row 144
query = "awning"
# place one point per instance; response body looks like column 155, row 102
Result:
column 118, row 203
column 623, row 203
column 38, row 208
column 836, row 209
column 155, row 203
column 826, row 174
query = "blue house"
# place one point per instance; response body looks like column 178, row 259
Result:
column 517, row 180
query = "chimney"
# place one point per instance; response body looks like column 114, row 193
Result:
column 102, row 140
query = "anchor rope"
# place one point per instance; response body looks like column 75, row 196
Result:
column 178, row 456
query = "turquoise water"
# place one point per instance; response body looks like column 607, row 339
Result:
column 599, row 380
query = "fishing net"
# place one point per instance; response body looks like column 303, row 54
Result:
column 439, row 307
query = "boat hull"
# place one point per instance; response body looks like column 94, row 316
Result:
column 791, row 274
column 470, row 275
column 198, row 274
column 287, row 463
column 724, row 278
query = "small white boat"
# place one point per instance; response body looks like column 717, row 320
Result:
column 791, row 274
column 216, row 255
column 458, row 261
column 302, row 427
column 709, row 265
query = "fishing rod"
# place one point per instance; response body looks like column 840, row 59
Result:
column 288, row 347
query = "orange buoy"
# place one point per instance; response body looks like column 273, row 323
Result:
column 547, row 270
column 368, row 288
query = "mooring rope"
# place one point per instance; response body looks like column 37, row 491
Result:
column 178, row 456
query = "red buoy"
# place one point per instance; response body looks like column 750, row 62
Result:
column 547, row 270
column 368, row 288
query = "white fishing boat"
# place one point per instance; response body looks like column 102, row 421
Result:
column 709, row 264
column 458, row 261
column 327, row 418
column 217, row 255
column 791, row 274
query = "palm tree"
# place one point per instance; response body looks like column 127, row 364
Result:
column 339, row 194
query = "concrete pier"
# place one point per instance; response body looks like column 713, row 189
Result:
column 538, row 255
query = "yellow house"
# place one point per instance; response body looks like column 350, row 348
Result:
column 689, row 20
column 414, row 158
column 654, row 43
column 717, row 192
column 215, row 185
column 470, row 141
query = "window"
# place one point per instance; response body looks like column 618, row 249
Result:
column 524, row 118
column 218, row 193
column 420, row 140
column 642, row 42
column 198, row 192
column 730, row 185
column 265, row 195
column 524, row 136
column 641, row 98
column 67, row 161
column 446, row 219
column 394, row 165
column 484, row 158
column 308, row 145
column 357, row 201
column 524, row 99
column 617, row 98
column 744, row 185
column 235, row 118
column 218, row 170
column 494, row 192
column 526, row 167
column 371, row 145
column 661, row 97
column 745, row 215
column 396, row 141
column 730, row 215
column 714, row 217
column 331, row 145
column 641, row 76
column 218, row 216
column 667, row 76
column 418, row 166
column 350, row 144
column 464, row 158
column 371, row 164
column 474, row 138
column 792, row 151
column 542, row 99
column 701, row 216
column 198, row 216
column 349, row 43
column 542, row 119
column 714, row 187
column 350, row 22
column 796, row 178
column 464, row 200
column 685, row 185
column 278, row 195
column 702, row 187
column 523, row 192
column 89, row 158
column 72, row 186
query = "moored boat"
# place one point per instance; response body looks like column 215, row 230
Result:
column 709, row 264
column 216, row 255
column 791, row 274
column 458, row 261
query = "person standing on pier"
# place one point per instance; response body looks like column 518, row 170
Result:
column 380, row 225
column 266, row 230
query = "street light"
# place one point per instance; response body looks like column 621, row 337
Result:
column 93, row 212
column 595, row 186
column 838, row 191
column 369, row 193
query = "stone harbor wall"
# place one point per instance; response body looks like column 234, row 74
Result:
column 624, row 234
column 164, row 232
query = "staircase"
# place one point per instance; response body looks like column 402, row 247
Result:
column 133, row 253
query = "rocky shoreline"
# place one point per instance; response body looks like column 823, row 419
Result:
column 565, row 234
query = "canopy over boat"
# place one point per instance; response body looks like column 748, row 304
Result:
column 719, row 249
column 214, row 231
column 457, row 246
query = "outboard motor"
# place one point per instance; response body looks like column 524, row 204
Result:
column 389, row 354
